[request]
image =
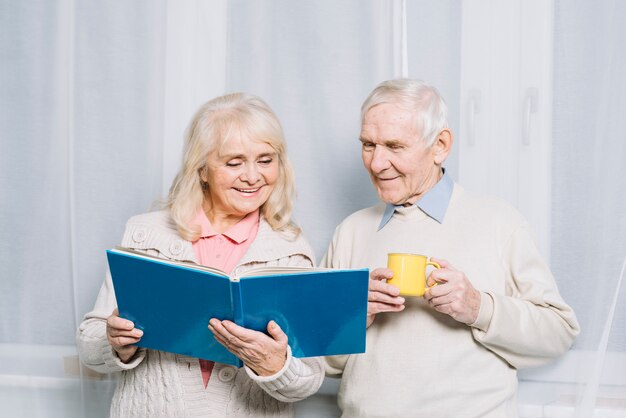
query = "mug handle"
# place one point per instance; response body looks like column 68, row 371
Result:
column 435, row 265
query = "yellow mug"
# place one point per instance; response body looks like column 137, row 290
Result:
column 409, row 272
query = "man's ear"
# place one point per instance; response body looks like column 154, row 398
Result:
column 442, row 145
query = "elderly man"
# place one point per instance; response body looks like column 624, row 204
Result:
column 496, row 307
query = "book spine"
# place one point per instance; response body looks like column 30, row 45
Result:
column 236, row 302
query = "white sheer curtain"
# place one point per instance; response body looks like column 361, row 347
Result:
column 94, row 99
column 80, row 123
column 588, row 236
column 315, row 62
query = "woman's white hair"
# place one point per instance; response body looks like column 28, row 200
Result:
column 416, row 96
column 215, row 123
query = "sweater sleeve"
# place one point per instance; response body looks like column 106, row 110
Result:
column 94, row 349
column 530, row 324
column 297, row 380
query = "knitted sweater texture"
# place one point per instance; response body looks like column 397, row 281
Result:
column 160, row 384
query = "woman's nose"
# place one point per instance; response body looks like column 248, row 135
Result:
column 251, row 175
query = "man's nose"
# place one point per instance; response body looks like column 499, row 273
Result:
column 380, row 160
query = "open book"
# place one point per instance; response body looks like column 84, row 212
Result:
column 322, row 311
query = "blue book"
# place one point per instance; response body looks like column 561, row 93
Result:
column 322, row 311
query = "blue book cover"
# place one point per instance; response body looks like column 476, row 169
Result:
column 322, row 311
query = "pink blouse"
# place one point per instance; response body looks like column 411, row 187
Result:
column 222, row 251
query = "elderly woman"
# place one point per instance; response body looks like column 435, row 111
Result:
column 229, row 207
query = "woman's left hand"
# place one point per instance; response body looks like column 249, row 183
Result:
column 266, row 355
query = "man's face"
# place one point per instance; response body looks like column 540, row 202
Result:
column 400, row 165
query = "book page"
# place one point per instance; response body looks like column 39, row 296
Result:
column 268, row 271
column 187, row 264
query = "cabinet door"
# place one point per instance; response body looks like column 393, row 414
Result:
column 506, row 97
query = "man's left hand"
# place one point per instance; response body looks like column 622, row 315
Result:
column 454, row 294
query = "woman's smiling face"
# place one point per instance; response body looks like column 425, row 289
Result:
column 241, row 175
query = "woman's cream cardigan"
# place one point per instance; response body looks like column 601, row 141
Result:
column 160, row 384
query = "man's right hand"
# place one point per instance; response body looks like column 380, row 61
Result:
column 121, row 333
column 382, row 297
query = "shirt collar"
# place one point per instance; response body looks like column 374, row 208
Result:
column 239, row 232
column 433, row 203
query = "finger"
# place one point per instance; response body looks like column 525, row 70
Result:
column 441, row 300
column 122, row 327
column 227, row 344
column 444, row 308
column 374, row 308
column 377, row 306
column 428, row 294
column 378, row 296
column 382, row 287
column 381, row 273
column 230, row 340
column 438, row 288
column 244, row 335
column 277, row 333
column 226, row 340
column 120, row 323
column 238, row 331
column 442, row 275
column 445, row 264
column 123, row 341
column 115, row 316
column 430, row 282
column 216, row 326
column 115, row 332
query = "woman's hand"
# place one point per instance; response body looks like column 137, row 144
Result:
column 265, row 355
column 121, row 333
column 382, row 297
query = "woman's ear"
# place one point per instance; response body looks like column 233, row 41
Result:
column 442, row 146
column 202, row 174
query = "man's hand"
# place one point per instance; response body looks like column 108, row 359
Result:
column 454, row 294
column 121, row 333
column 265, row 355
column 382, row 297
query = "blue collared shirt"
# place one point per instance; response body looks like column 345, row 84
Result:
column 434, row 203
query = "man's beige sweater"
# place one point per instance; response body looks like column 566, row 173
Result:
column 421, row 363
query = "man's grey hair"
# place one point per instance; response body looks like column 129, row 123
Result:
column 416, row 96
